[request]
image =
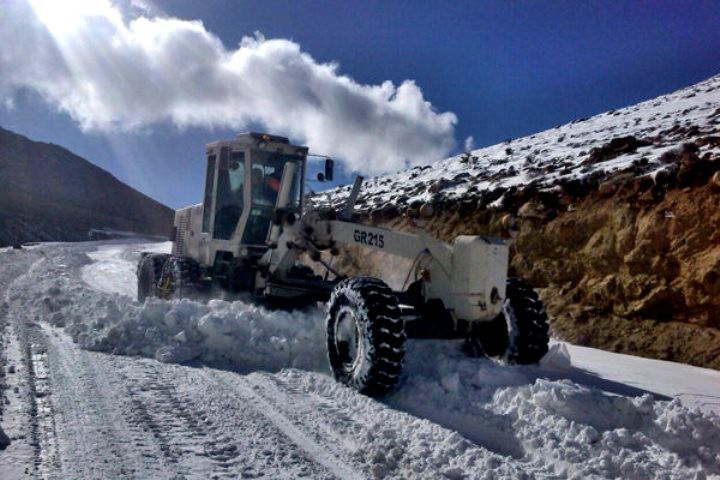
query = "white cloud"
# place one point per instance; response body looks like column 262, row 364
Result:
column 469, row 143
column 109, row 73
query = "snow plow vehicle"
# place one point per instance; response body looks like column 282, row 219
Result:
column 252, row 233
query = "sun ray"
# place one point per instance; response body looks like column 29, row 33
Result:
column 69, row 17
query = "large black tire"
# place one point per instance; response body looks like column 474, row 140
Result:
column 365, row 335
column 519, row 334
column 148, row 273
column 180, row 278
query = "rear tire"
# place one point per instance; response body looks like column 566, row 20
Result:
column 365, row 335
column 519, row 334
column 148, row 273
column 180, row 278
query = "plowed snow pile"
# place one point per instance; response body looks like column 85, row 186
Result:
column 102, row 318
column 452, row 417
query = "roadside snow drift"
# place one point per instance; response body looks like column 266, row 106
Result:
column 451, row 417
column 100, row 314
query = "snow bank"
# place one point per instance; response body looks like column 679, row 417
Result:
column 551, row 424
column 103, row 318
column 474, row 418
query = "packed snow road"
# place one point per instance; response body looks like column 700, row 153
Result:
column 96, row 385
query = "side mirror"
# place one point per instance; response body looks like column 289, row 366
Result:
column 329, row 167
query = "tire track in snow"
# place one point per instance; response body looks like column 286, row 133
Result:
column 325, row 420
column 125, row 417
column 323, row 452
column 74, row 423
column 41, row 435
column 94, row 416
column 42, row 411
column 204, row 431
column 185, row 434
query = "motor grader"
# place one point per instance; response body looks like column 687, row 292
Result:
column 254, row 233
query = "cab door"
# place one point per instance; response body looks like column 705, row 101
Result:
column 230, row 196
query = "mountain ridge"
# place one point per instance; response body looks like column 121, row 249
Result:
column 48, row 193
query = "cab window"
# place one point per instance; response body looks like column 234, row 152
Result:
column 207, row 202
column 265, row 180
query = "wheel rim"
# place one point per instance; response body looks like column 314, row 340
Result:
column 164, row 287
column 347, row 335
column 494, row 336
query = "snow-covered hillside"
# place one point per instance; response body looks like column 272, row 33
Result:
column 87, row 396
column 634, row 139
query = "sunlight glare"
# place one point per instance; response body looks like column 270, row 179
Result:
column 65, row 17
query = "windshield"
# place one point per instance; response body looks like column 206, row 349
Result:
column 266, row 177
column 267, row 170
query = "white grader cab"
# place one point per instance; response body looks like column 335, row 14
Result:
column 252, row 229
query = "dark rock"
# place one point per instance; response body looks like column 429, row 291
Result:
column 689, row 148
column 4, row 440
column 616, row 147
column 694, row 170
column 574, row 188
column 442, row 184
column 492, row 195
column 712, row 141
column 460, row 177
column 665, row 177
column 669, row 157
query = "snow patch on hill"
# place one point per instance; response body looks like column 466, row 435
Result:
column 634, row 139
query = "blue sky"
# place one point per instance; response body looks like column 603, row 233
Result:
column 504, row 69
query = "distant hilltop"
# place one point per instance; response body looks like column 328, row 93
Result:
column 47, row 193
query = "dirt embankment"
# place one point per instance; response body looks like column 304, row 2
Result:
column 630, row 265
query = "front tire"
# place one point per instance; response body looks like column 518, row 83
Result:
column 180, row 278
column 365, row 335
column 148, row 273
column 519, row 334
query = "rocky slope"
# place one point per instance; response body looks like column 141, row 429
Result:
column 48, row 193
column 615, row 220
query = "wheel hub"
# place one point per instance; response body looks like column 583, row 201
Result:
column 347, row 336
column 164, row 287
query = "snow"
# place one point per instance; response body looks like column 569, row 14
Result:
column 561, row 154
column 694, row 386
column 112, row 272
column 181, row 330
column 254, row 395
